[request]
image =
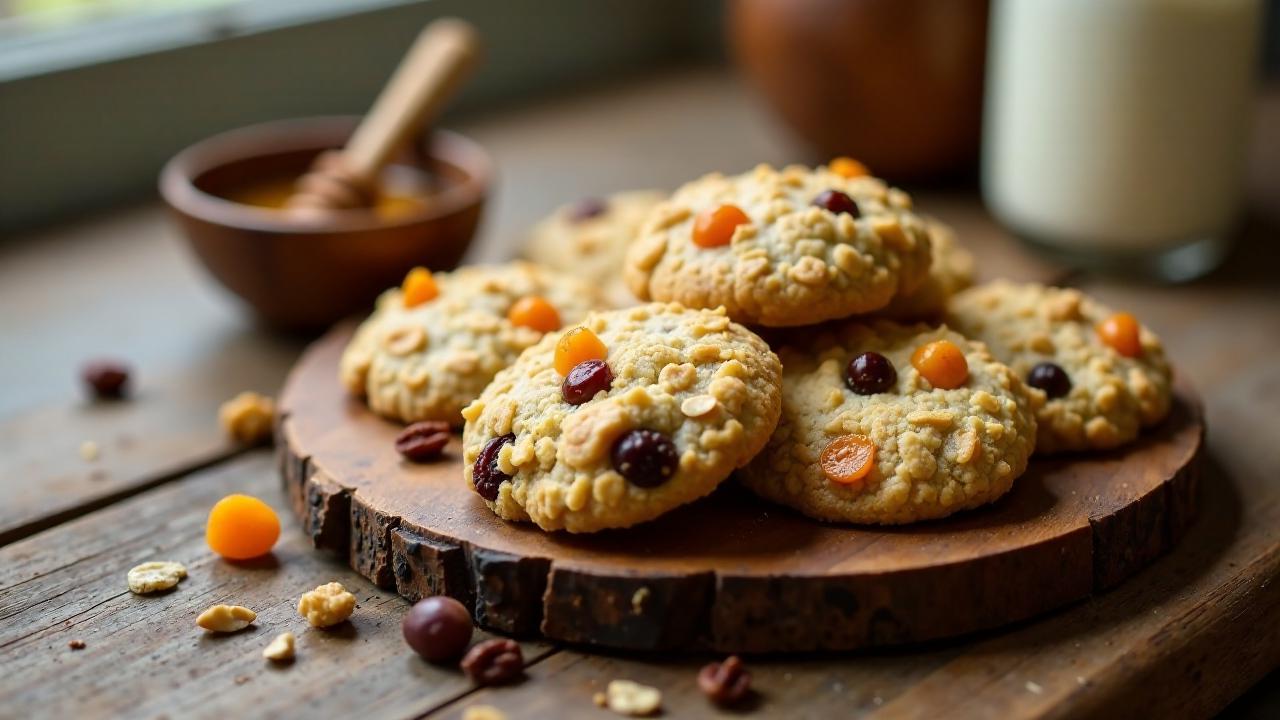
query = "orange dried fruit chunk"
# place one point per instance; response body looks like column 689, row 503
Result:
column 534, row 312
column 1120, row 332
column 941, row 363
column 848, row 458
column 419, row 287
column 576, row 346
column 242, row 527
column 848, row 167
column 714, row 227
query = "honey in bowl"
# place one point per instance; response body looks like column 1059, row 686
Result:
column 402, row 191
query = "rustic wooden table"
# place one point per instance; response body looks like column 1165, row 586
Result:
column 1182, row 638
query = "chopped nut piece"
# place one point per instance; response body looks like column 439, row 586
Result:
column 76, row 644
column 280, row 649
column 494, row 662
column 483, row 712
column 698, row 405
column 152, row 577
column 725, row 683
column 423, row 441
column 247, row 417
column 226, row 618
column 89, row 450
column 630, row 698
column 106, row 379
column 327, row 605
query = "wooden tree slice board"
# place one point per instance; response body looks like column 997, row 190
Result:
column 730, row 572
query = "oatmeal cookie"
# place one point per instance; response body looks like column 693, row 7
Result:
column 590, row 239
column 432, row 345
column 1101, row 389
column 867, row 437
column 781, row 247
column 615, row 422
column 950, row 272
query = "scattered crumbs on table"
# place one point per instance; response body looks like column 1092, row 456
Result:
column 1034, row 688
column 483, row 712
column 76, row 644
column 89, row 450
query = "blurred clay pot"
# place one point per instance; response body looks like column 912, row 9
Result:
column 895, row 84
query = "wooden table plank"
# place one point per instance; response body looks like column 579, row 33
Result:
column 144, row 655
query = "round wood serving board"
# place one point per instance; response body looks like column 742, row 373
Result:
column 730, row 572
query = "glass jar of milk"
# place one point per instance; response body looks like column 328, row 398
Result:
column 1115, row 130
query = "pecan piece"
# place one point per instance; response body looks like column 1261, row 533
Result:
column 494, row 662
column 725, row 683
column 423, row 441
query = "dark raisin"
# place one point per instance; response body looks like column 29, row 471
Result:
column 1050, row 378
column 870, row 373
column 585, row 380
column 423, row 441
column 837, row 202
column 485, row 474
column 645, row 458
column 587, row 208
column 106, row 379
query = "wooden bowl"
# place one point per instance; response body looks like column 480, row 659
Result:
column 306, row 274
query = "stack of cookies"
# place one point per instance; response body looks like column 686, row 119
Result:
column 886, row 393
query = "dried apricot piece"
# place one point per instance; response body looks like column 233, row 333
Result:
column 1120, row 332
column 419, row 287
column 848, row 167
column 848, row 458
column 534, row 312
column 576, row 346
column 942, row 364
column 242, row 527
column 714, row 227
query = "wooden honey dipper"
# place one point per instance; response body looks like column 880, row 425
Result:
column 432, row 70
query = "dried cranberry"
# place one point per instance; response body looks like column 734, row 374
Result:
column 585, row 380
column 106, row 379
column 645, row 457
column 870, row 373
column 438, row 628
column 587, row 208
column 1050, row 378
column 837, row 202
column 423, row 441
column 485, row 474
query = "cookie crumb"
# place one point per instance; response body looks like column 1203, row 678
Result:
column 327, row 605
column 89, row 450
column 76, row 644
column 281, row 649
column 483, row 712
column 248, row 417
column 1034, row 688
column 242, row 679
column 631, row 698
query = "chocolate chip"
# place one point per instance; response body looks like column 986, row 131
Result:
column 494, row 662
column 423, row 441
column 1050, row 378
column 438, row 628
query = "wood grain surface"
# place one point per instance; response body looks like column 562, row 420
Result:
column 714, row 574
column 1182, row 638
